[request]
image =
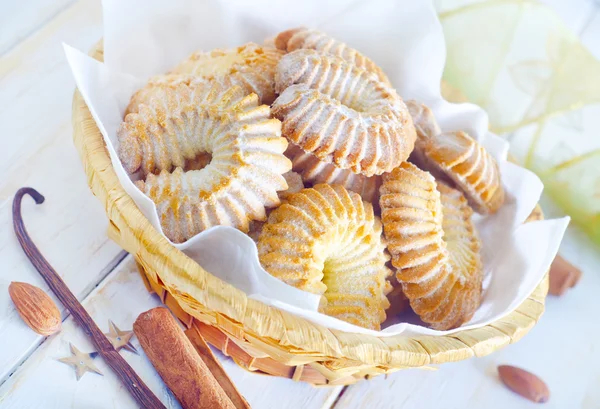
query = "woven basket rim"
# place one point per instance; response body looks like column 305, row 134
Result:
column 284, row 329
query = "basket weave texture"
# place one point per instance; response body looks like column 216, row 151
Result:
column 262, row 338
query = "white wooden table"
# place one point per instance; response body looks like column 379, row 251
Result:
column 35, row 126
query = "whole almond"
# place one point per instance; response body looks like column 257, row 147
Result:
column 524, row 383
column 35, row 307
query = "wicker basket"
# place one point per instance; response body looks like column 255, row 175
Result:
column 262, row 338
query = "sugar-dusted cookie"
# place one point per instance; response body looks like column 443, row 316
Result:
column 433, row 244
column 305, row 38
column 342, row 114
column 457, row 158
column 172, row 127
column 243, row 176
column 327, row 241
column 315, row 171
column 250, row 66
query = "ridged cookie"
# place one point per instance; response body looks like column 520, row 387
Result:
column 341, row 113
column 327, row 241
column 304, row 38
column 176, row 124
column 315, row 171
column 433, row 244
column 250, row 66
column 457, row 158
column 423, row 119
column 463, row 245
column 242, row 178
column 157, row 85
column 294, row 183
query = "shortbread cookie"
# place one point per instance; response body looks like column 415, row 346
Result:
column 294, row 183
column 433, row 244
column 269, row 42
column 463, row 245
column 341, row 114
column 461, row 160
column 304, row 38
column 157, row 85
column 252, row 67
column 249, row 66
column 423, row 119
column 457, row 158
column 327, row 241
column 242, row 178
column 315, row 171
column 176, row 123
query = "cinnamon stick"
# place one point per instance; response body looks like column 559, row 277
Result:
column 563, row 275
column 215, row 367
column 177, row 362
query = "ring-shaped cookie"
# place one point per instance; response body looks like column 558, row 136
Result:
column 433, row 244
column 327, row 241
column 243, row 175
column 250, row 66
column 457, row 158
column 305, row 38
column 342, row 114
column 158, row 137
column 315, row 171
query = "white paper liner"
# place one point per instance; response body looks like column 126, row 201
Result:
column 144, row 38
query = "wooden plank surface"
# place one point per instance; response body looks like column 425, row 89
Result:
column 35, row 96
column 36, row 88
column 18, row 22
column 121, row 298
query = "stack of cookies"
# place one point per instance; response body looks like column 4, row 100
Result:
column 349, row 191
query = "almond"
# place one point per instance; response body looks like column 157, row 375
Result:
column 35, row 307
column 524, row 383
